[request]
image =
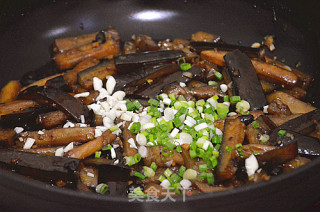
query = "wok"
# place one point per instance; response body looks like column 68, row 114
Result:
column 28, row 28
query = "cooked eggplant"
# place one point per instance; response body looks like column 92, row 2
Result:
column 40, row 166
column 143, row 83
column 157, row 154
column 132, row 61
column 58, row 83
column 25, row 118
column 64, row 44
column 263, row 126
column 61, row 100
column 154, row 89
column 89, row 148
column 303, row 124
column 295, row 105
column 59, row 136
column 233, row 135
column 307, row 146
column 10, row 92
column 105, row 68
column 51, row 119
column 202, row 46
column 7, row 137
column 145, row 43
column 127, row 149
column 70, row 58
column 16, row 106
column 244, row 79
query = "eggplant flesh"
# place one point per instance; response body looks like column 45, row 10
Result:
column 58, row 83
column 245, row 79
column 202, row 46
column 307, row 146
column 303, row 124
column 129, row 61
column 63, row 101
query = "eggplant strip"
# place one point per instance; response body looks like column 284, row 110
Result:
column 96, row 50
column 127, row 150
column 265, row 71
column 233, row 135
column 8, row 136
column 64, row 44
column 41, row 82
column 275, row 74
column 145, row 43
column 295, row 105
column 278, row 155
column 60, row 100
column 10, row 92
column 105, row 68
column 71, row 77
column 156, row 154
column 279, row 120
column 205, row 188
column 245, row 82
column 204, row 46
column 52, row 119
column 61, row 136
column 42, row 150
column 89, row 148
column 16, row 106
column 304, row 79
column 132, row 61
column 250, row 149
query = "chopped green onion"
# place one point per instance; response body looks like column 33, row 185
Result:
column 172, row 97
column 226, row 98
column 203, row 175
column 169, row 145
column 148, row 172
column 177, row 122
column 210, row 178
column 139, row 175
column 190, row 174
column 114, row 128
column 228, row 148
column 178, row 149
column 256, row 153
column 212, row 83
column 203, row 167
column 97, row 154
column 182, row 170
column 214, row 161
column 281, row 133
column 161, row 178
column 175, row 178
column 222, row 110
column 107, row 147
column 137, row 158
column 255, row 124
column 130, row 106
column 137, row 104
column 167, row 173
column 103, row 188
column 153, row 166
column 235, row 99
column 218, row 75
column 135, row 127
column 264, row 138
column 153, row 102
column 192, row 153
column 185, row 66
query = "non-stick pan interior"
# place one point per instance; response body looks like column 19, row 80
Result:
column 26, row 37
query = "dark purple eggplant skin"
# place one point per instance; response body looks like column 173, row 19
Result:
column 151, row 91
column 39, row 161
column 25, row 118
column 129, row 61
column 202, row 46
column 307, row 146
column 58, row 83
column 58, row 99
column 303, row 124
column 246, row 119
column 245, row 79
